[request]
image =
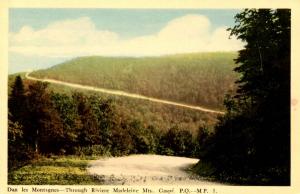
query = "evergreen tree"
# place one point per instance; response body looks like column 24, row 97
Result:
column 253, row 139
column 17, row 101
column 44, row 128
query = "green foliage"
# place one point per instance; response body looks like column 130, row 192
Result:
column 53, row 171
column 19, row 152
column 251, row 144
column 200, row 141
column 67, row 111
column 177, row 142
column 104, row 112
column 144, row 139
column 93, row 150
column 14, row 131
column 199, row 78
column 84, row 124
column 89, row 131
column 122, row 142
column 43, row 126
column 89, row 124
column 205, row 169
column 160, row 116
column 16, row 101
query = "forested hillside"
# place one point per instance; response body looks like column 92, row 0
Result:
column 46, row 121
column 199, row 78
column 86, row 123
column 160, row 116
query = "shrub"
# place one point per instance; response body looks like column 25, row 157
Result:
column 93, row 150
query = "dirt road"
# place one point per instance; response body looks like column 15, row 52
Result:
column 122, row 93
column 145, row 170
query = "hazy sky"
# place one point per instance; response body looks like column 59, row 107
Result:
column 39, row 38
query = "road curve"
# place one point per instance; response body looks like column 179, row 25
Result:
column 146, row 170
column 122, row 93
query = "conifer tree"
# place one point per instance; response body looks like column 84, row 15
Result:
column 17, row 101
column 253, row 139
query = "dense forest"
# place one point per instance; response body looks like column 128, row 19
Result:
column 43, row 122
column 197, row 78
column 251, row 143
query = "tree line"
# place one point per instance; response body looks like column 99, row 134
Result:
column 43, row 122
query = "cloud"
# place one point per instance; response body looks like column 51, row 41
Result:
column 78, row 37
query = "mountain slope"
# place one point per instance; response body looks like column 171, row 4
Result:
column 198, row 79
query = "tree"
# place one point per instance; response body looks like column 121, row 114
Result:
column 253, row 139
column 17, row 101
column 16, row 152
column 105, row 117
column 89, row 131
column 177, row 142
column 19, row 151
column 122, row 141
column 200, row 140
column 44, row 128
column 67, row 110
column 264, row 87
column 144, row 140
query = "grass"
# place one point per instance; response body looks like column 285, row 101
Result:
column 64, row 170
column 209, row 172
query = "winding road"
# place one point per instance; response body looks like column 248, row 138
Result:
column 146, row 170
column 122, row 93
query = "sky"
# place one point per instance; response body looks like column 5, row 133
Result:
column 40, row 38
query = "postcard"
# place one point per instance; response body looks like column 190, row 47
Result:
column 149, row 97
